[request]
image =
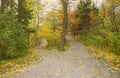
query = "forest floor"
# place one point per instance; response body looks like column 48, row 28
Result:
column 75, row 62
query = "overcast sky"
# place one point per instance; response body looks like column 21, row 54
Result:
column 55, row 3
column 51, row 4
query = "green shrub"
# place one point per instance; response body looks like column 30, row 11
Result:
column 116, row 43
column 102, row 39
column 13, row 37
column 98, row 41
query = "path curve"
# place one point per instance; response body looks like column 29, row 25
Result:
column 76, row 62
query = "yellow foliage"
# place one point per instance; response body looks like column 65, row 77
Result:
column 11, row 66
column 47, row 32
column 32, row 25
column 112, row 59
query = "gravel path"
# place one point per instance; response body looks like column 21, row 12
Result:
column 76, row 62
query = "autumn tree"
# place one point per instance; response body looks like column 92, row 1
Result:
column 53, row 17
column 112, row 11
column 83, row 13
column 102, row 22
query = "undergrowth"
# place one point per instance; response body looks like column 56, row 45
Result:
column 106, row 57
column 103, row 44
column 10, row 66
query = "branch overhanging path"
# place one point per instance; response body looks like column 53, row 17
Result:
column 76, row 62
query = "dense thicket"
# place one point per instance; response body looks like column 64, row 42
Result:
column 13, row 40
column 98, row 26
column 14, row 19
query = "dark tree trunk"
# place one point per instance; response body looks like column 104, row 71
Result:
column 2, row 6
column 11, row 4
column 63, row 39
column 19, row 11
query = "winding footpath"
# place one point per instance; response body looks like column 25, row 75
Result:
column 76, row 62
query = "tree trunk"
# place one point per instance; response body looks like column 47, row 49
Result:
column 113, row 17
column 11, row 4
column 104, row 16
column 63, row 39
column 2, row 6
column 37, row 19
column 19, row 14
